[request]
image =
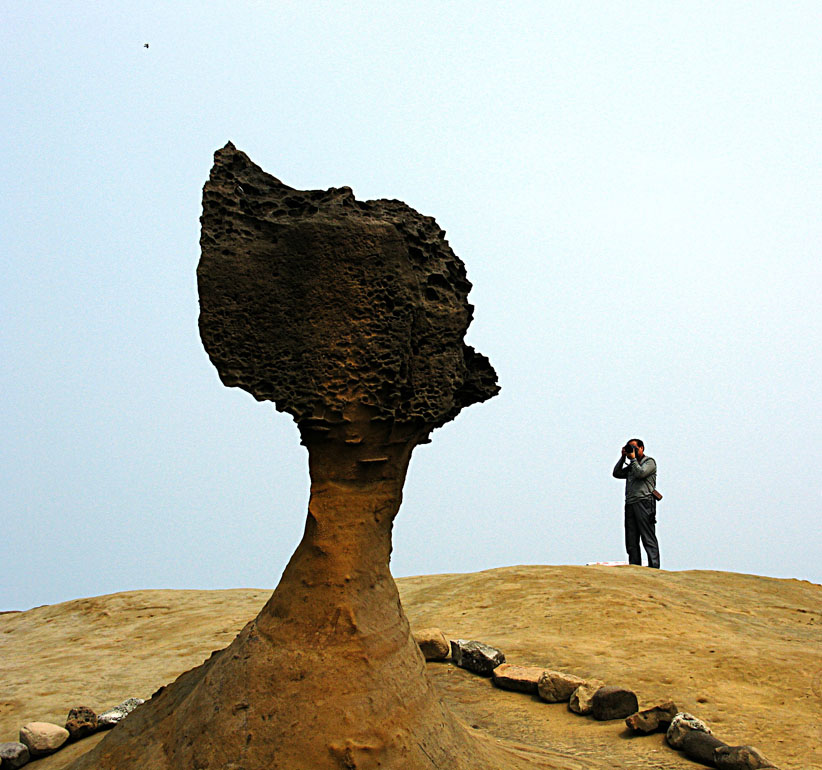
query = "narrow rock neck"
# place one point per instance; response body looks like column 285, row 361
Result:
column 338, row 580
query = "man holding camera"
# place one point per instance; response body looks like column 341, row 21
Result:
column 639, row 472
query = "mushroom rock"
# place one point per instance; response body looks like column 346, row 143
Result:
column 350, row 316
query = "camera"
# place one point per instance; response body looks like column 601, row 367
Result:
column 629, row 449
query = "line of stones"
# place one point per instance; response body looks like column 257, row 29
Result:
column 39, row 739
column 594, row 697
column 584, row 696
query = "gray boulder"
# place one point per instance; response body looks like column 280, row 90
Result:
column 681, row 725
column 700, row 746
column 740, row 758
column 432, row 643
column 652, row 719
column 612, row 702
column 14, row 754
column 109, row 718
column 517, row 678
column 475, row 656
column 557, row 686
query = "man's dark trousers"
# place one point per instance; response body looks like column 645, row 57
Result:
column 640, row 522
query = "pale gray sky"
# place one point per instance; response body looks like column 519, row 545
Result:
column 635, row 188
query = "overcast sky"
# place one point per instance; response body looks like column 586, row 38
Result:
column 635, row 189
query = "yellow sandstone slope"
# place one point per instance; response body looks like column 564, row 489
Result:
column 744, row 653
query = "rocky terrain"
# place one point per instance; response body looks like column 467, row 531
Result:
column 741, row 652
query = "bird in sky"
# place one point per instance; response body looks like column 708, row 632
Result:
column 145, row 45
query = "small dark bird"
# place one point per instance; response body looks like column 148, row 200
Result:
column 145, row 45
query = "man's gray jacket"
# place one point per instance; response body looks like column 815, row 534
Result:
column 639, row 475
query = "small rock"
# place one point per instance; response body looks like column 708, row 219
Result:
column 432, row 643
column 557, row 687
column 517, row 678
column 681, row 724
column 475, row 656
column 700, row 746
column 81, row 721
column 740, row 758
column 43, row 738
column 109, row 718
column 652, row 719
column 580, row 702
column 14, row 754
column 612, row 702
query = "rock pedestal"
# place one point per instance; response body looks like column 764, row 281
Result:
column 349, row 316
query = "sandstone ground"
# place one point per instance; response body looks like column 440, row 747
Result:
column 742, row 652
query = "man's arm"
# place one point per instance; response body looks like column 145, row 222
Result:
column 642, row 471
column 620, row 471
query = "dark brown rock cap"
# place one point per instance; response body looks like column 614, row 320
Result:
column 320, row 302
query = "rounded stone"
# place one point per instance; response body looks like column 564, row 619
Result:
column 432, row 643
column 43, row 738
column 613, row 702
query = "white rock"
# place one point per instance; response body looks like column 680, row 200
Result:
column 118, row 713
column 681, row 724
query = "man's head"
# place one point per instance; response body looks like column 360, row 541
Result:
column 639, row 447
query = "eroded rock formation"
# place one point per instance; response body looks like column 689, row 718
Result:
column 350, row 316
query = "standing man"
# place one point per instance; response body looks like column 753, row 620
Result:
column 639, row 473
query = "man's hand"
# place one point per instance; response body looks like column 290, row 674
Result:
column 632, row 454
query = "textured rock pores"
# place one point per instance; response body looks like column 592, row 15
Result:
column 315, row 300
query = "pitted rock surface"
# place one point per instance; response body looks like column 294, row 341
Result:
column 350, row 316
column 81, row 721
column 315, row 300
